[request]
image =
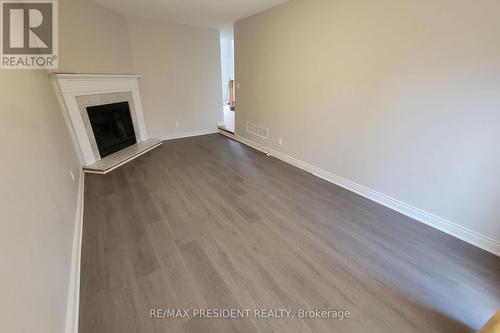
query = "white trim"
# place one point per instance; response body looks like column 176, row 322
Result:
column 73, row 306
column 68, row 122
column 189, row 134
column 69, row 86
column 91, row 76
column 472, row 237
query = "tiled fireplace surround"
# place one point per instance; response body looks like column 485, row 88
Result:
column 102, row 99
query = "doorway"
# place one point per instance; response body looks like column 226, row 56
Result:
column 228, row 83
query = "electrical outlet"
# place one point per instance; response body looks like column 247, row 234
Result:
column 177, row 124
column 72, row 176
column 280, row 141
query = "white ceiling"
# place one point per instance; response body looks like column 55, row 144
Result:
column 203, row 13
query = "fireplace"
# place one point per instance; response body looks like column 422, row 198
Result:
column 112, row 126
column 83, row 96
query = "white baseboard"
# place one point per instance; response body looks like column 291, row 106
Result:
column 484, row 242
column 190, row 134
column 73, row 306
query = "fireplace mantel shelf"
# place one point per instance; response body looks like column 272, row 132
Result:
column 93, row 76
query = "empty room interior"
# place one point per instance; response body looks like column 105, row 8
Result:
column 250, row 166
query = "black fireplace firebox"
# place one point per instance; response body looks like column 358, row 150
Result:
column 112, row 126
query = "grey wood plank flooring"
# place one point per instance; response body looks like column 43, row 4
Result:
column 206, row 222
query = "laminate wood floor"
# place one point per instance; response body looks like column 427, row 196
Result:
column 207, row 223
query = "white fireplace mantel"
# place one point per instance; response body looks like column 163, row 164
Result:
column 70, row 87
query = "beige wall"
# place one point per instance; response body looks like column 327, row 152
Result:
column 399, row 96
column 93, row 39
column 181, row 79
column 37, row 196
column 37, row 205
